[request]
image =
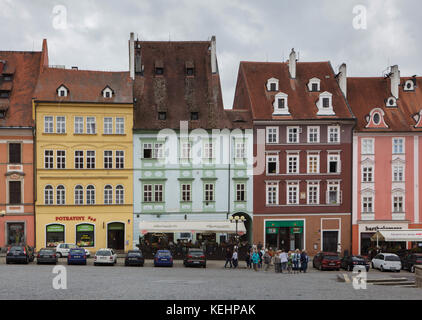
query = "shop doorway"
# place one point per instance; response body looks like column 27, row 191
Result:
column 15, row 233
column 116, row 236
column 329, row 241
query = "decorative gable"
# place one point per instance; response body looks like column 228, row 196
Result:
column 107, row 92
column 375, row 120
column 418, row 118
column 409, row 85
column 325, row 104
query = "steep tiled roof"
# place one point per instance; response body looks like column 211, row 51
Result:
column 84, row 86
column 251, row 91
column 24, row 68
column 175, row 92
column 365, row 94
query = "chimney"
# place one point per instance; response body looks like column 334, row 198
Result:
column 213, row 55
column 132, row 56
column 342, row 79
column 292, row 64
column 395, row 81
column 74, row 68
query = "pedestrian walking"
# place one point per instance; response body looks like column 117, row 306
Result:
column 283, row 261
column 267, row 260
column 248, row 259
column 261, row 254
column 255, row 260
column 304, row 259
column 277, row 263
column 234, row 258
column 296, row 261
column 228, row 258
column 289, row 262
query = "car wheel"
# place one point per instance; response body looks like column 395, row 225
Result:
column 412, row 269
column 372, row 265
column 59, row 255
column 381, row 268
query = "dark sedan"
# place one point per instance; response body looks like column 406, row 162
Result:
column 411, row 260
column 195, row 257
column 23, row 254
column 46, row 256
column 349, row 262
column 134, row 258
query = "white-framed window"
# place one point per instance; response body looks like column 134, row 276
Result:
column 61, row 159
column 108, row 159
column 48, row 159
column 272, row 84
column 60, row 124
column 79, row 195
column 147, row 151
column 90, row 194
column 120, row 159
column 272, row 134
column 108, row 194
column 272, row 164
column 147, row 192
column 368, row 146
column 292, row 163
column 120, row 194
column 398, row 145
column 240, row 192
column 91, row 125
column 186, row 192
column 107, row 92
column 61, row 195
column 333, row 193
column 208, row 150
column 240, row 150
column 398, row 203
column 79, row 125
column 314, row 85
column 367, row 204
column 367, row 174
column 79, row 159
column 209, row 192
column 334, row 163
column 313, row 192
column 333, row 134
column 158, row 193
column 186, row 150
column 292, row 134
column 120, row 125
column 62, row 91
column 313, row 163
column 272, row 193
column 280, row 104
column 108, row 125
column 48, row 195
column 313, row 134
column 325, row 104
column 48, row 124
column 292, row 193
column 398, row 173
column 158, row 150
column 90, row 159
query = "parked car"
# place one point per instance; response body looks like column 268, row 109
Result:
column 349, row 262
column 411, row 260
column 326, row 260
column 62, row 249
column 47, row 255
column 22, row 253
column 195, row 257
column 386, row 261
column 105, row 256
column 163, row 258
column 134, row 257
column 76, row 256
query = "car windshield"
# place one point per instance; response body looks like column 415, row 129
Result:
column 196, row 252
column 163, row 254
column 47, row 251
column 103, row 253
column 134, row 254
column 392, row 258
column 331, row 258
column 358, row 258
column 71, row 246
column 77, row 251
column 16, row 249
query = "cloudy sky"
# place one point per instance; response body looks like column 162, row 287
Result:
column 93, row 34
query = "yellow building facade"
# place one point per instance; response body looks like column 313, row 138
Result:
column 84, row 169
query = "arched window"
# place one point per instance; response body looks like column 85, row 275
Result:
column 120, row 194
column 61, row 194
column 90, row 194
column 108, row 194
column 48, row 195
column 79, row 194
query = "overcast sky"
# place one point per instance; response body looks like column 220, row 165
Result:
column 95, row 35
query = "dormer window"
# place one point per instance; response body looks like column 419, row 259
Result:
column 375, row 119
column 107, row 92
column 325, row 104
column 272, row 84
column 314, row 85
column 409, row 85
column 280, row 104
column 391, row 102
column 62, row 91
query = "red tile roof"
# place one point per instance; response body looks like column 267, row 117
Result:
column 365, row 94
column 174, row 92
column 84, row 86
column 251, row 90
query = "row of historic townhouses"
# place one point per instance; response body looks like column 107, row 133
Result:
column 303, row 143
column 185, row 186
column 84, row 168
column 387, row 148
column 18, row 76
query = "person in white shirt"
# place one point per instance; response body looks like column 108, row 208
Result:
column 283, row 260
column 234, row 258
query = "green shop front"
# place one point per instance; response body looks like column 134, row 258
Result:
column 284, row 234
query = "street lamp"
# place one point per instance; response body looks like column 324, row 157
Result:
column 236, row 220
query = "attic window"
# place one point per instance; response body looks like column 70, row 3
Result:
column 107, row 92
column 391, row 102
column 314, row 85
column 409, row 85
column 376, row 118
column 325, row 104
column 62, row 91
column 280, row 104
column 162, row 115
column 194, row 116
column 272, row 84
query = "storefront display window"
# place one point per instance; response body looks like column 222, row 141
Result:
column 15, row 233
column 85, row 235
column 284, row 234
column 54, row 235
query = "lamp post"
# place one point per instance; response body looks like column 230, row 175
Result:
column 236, row 220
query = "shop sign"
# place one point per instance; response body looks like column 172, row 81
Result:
column 380, row 228
column 296, row 230
column 75, row 218
column 271, row 230
column 85, row 227
column 55, row 228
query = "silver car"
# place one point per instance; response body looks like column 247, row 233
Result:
column 105, row 256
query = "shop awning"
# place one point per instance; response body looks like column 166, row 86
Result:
column 398, row 235
column 192, row 226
